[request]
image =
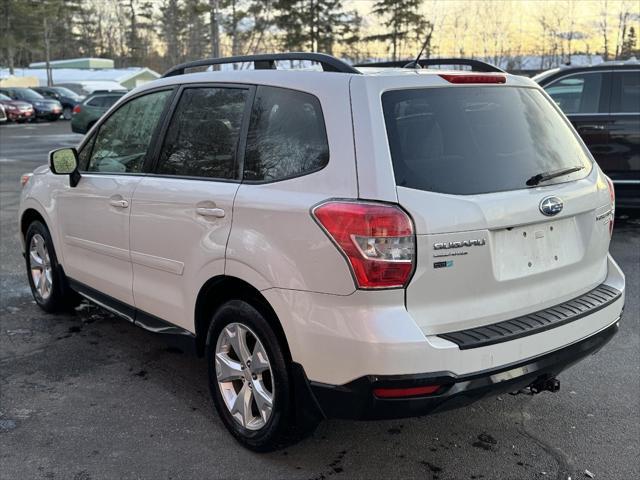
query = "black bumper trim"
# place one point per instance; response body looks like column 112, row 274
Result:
column 355, row 400
column 552, row 317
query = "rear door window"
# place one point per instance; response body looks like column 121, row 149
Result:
column 96, row 102
column 202, row 139
column 470, row 140
column 626, row 92
column 287, row 136
column 578, row 93
column 109, row 100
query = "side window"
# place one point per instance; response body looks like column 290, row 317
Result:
column 577, row 93
column 107, row 102
column 626, row 92
column 123, row 139
column 286, row 137
column 96, row 102
column 202, row 139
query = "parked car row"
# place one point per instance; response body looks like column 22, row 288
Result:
column 22, row 104
column 41, row 107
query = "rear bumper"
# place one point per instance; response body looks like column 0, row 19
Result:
column 338, row 339
column 48, row 114
column 15, row 116
column 356, row 399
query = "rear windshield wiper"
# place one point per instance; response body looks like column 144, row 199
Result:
column 544, row 176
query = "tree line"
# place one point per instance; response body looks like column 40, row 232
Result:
column 162, row 33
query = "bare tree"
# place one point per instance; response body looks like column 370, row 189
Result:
column 624, row 16
column 604, row 28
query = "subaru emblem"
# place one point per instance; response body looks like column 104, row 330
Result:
column 551, row 206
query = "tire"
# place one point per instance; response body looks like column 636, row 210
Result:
column 51, row 292
column 66, row 113
column 267, row 430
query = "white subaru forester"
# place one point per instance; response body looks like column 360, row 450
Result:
column 353, row 242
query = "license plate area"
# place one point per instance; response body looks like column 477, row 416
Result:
column 536, row 248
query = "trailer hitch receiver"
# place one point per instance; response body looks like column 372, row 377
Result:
column 542, row 384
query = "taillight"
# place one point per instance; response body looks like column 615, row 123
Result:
column 76, row 109
column 473, row 78
column 378, row 241
column 612, row 198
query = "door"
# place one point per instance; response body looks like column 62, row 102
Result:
column 624, row 162
column 584, row 98
column 94, row 215
column 181, row 215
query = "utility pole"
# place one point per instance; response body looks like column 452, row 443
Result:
column 214, row 9
column 47, row 49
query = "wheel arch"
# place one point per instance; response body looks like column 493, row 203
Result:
column 220, row 289
column 29, row 216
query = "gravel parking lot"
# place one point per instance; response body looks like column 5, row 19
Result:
column 89, row 396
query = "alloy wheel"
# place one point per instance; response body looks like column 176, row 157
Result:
column 40, row 266
column 244, row 375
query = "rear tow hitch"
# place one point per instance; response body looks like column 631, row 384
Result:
column 540, row 385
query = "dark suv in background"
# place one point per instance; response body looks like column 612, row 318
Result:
column 88, row 112
column 603, row 103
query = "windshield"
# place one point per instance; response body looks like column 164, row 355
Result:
column 4, row 98
column 471, row 140
column 28, row 94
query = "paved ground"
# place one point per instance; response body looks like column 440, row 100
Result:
column 88, row 396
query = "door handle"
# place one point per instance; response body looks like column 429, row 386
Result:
column 210, row 212
column 592, row 127
column 119, row 203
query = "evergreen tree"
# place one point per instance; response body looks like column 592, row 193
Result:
column 403, row 20
column 629, row 49
column 172, row 28
column 315, row 25
column 196, row 32
column 139, row 30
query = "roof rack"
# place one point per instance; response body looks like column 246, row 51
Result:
column 476, row 65
column 268, row 62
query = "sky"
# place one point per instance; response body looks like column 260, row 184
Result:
column 489, row 27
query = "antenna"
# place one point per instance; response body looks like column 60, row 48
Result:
column 415, row 63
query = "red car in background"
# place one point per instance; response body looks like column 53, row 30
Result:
column 16, row 110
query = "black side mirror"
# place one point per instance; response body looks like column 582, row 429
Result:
column 64, row 161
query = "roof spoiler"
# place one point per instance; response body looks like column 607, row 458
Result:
column 476, row 65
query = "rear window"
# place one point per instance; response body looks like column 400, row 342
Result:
column 471, row 140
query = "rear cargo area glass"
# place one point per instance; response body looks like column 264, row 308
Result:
column 472, row 140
